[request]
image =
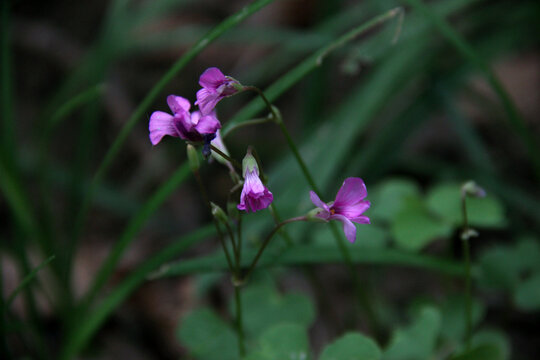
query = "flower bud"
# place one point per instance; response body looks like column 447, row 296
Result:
column 470, row 188
column 193, row 158
column 249, row 164
column 312, row 215
column 219, row 214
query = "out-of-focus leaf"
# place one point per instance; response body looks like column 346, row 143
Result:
column 527, row 293
column 496, row 339
column 389, row 197
column 367, row 236
column 282, row 341
column 207, row 337
column 445, row 200
column 263, row 306
column 414, row 227
column 352, row 346
column 503, row 267
column 480, row 352
column 416, row 341
column 453, row 317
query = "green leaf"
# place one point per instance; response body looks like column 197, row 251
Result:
column 417, row 341
column 445, row 201
column 208, row 337
column 352, row 346
column 480, row 352
column 264, row 306
column 283, row 341
column 390, row 196
column 504, row 267
column 414, row 228
column 453, row 317
column 496, row 339
column 527, row 293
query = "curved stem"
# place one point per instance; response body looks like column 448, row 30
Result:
column 257, row 121
column 220, row 234
column 267, row 240
column 361, row 293
column 235, row 163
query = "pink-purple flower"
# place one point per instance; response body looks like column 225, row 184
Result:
column 348, row 206
column 255, row 196
column 215, row 86
column 183, row 124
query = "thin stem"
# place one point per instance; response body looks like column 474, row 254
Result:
column 267, row 240
column 467, row 263
column 226, row 157
column 234, row 244
column 220, row 234
column 257, row 121
column 239, row 324
column 360, row 291
column 239, row 237
column 277, row 220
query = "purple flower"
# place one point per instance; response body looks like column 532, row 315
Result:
column 216, row 86
column 183, row 124
column 255, row 196
column 348, row 206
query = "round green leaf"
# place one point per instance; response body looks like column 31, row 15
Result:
column 388, row 198
column 352, row 346
column 283, row 341
column 413, row 228
column 207, row 336
column 527, row 293
column 417, row 341
column 445, row 201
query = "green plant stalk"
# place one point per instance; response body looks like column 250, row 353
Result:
column 266, row 242
column 236, row 164
column 360, row 291
column 153, row 94
column 257, row 121
column 206, row 200
column 460, row 43
column 467, row 263
column 239, row 323
column 78, row 338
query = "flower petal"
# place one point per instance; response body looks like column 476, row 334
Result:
column 212, row 78
column 361, row 220
column 352, row 211
column 178, row 104
column 207, row 100
column 161, row 124
column 208, row 124
column 317, row 201
column 351, row 192
column 348, row 227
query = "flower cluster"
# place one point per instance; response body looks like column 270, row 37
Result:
column 202, row 126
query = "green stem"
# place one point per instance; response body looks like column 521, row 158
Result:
column 226, row 157
column 257, row 121
column 220, row 234
column 359, row 289
column 467, row 263
column 239, row 324
column 266, row 241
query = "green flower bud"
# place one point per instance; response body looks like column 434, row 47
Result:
column 193, row 158
column 312, row 216
column 249, row 164
column 219, row 214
